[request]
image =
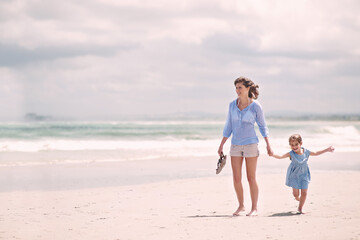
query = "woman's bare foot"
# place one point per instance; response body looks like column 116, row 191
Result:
column 238, row 211
column 252, row 213
column 297, row 198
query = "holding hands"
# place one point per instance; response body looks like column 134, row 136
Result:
column 269, row 150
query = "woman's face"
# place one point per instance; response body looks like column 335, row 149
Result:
column 241, row 90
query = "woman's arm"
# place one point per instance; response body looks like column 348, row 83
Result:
column 228, row 126
column 268, row 147
column 329, row 149
column 286, row 155
column 260, row 120
column 227, row 131
column 220, row 151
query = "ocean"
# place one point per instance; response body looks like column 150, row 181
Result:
column 58, row 142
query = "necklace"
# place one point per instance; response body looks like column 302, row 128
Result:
column 242, row 107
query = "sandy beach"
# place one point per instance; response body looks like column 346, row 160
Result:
column 90, row 201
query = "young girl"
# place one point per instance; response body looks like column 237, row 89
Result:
column 298, row 173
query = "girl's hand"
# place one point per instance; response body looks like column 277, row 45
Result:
column 269, row 150
column 330, row 149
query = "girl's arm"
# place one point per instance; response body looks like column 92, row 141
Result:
column 329, row 149
column 286, row 155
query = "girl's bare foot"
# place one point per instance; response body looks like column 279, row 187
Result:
column 238, row 211
column 299, row 211
column 252, row 213
column 297, row 198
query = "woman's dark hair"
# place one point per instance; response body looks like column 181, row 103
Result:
column 253, row 91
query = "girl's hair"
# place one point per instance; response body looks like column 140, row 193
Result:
column 295, row 137
column 253, row 91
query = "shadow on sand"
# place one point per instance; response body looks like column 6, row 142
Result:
column 211, row 216
column 284, row 214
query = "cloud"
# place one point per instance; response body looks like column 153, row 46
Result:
column 109, row 58
column 12, row 55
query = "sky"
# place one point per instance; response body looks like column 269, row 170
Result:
column 92, row 59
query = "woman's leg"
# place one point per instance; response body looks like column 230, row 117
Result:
column 296, row 194
column 236, row 164
column 302, row 199
column 251, row 163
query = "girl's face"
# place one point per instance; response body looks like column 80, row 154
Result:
column 241, row 90
column 296, row 146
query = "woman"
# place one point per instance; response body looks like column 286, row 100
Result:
column 243, row 113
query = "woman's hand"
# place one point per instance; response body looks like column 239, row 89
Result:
column 268, row 148
column 220, row 150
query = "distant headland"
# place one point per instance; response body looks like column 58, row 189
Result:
column 36, row 117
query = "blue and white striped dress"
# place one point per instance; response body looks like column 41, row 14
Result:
column 298, row 173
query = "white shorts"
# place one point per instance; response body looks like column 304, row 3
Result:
column 250, row 150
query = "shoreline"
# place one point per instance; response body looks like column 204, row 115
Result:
column 50, row 177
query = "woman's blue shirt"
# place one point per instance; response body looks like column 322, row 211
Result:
column 241, row 123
